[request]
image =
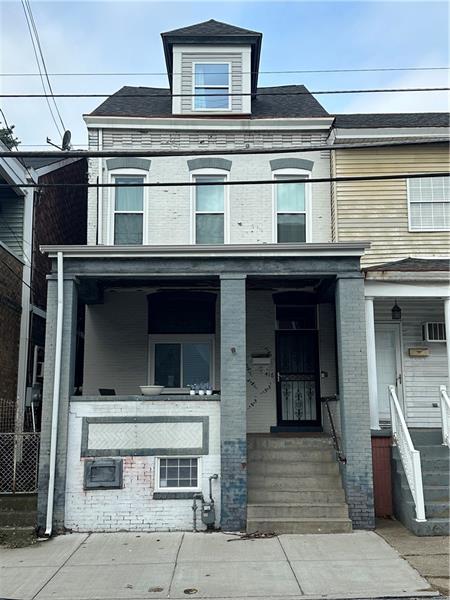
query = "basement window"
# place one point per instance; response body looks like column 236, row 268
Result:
column 177, row 474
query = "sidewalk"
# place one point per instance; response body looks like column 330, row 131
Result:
column 130, row 566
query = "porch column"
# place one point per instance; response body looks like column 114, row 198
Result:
column 372, row 365
column 447, row 334
column 66, row 390
column 233, row 428
column 354, row 399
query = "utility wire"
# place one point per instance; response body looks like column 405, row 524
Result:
column 224, row 94
column 227, row 183
column 284, row 72
column 141, row 153
column 16, row 274
column 36, row 45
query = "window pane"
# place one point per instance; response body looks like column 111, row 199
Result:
column 291, row 228
column 209, row 197
column 209, row 229
column 178, row 477
column 290, row 196
column 196, row 363
column 208, row 98
column 211, row 74
column 167, row 365
column 129, row 199
column 127, row 229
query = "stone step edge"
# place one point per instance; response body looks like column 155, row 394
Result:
column 299, row 520
column 295, row 504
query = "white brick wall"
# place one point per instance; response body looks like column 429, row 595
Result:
column 133, row 506
column 251, row 208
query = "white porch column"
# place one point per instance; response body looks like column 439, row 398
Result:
column 447, row 333
column 372, row 364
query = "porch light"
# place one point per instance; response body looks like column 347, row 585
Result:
column 396, row 312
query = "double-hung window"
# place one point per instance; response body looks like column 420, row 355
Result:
column 290, row 210
column 429, row 204
column 128, row 217
column 209, row 208
column 210, row 81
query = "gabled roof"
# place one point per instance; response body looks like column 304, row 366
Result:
column 413, row 264
column 291, row 101
column 211, row 27
column 378, row 120
column 214, row 33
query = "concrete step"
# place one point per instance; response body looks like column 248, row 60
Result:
column 435, row 493
column 266, row 511
column 434, row 526
column 440, row 510
column 304, row 525
column 297, row 469
column 292, row 455
column 280, row 442
column 434, row 463
column 430, row 478
column 294, row 484
column 426, row 437
column 437, row 451
column 17, row 518
column 262, row 495
column 18, row 501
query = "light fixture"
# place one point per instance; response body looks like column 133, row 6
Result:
column 396, row 312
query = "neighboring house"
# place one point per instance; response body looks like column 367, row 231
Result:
column 240, row 289
column 29, row 217
column 407, row 294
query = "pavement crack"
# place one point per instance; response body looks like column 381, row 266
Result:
column 175, row 566
column 290, row 566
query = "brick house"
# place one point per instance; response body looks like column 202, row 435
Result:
column 238, row 290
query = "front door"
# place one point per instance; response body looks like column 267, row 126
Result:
column 298, row 396
column 389, row 371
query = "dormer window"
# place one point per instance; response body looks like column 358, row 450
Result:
column 210, row 80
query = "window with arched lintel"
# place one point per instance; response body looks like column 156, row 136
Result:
column 291, row 204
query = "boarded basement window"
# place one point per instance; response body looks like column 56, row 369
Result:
column 103, row 474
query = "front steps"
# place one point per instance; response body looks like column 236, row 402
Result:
column 294, row 485
column 435, row 461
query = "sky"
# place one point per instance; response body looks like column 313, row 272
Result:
column 124, row 36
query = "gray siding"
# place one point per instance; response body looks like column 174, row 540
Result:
column 187, row 61
column 11, row 221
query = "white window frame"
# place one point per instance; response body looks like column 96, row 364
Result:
column 218, row 87
column 112, row 174
column 185, row 338
column 158, row 487
column 411, row 228
column 226, row 203
column 299, row 173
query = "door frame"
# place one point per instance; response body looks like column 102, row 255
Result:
column 303, row 425
column 397, row 326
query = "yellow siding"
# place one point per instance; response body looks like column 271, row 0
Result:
column 377, row 211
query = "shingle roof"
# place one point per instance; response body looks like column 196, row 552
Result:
column 158, row 103
column 414, row 264
column 210, row 28
column 377, row 120
column 38, row 163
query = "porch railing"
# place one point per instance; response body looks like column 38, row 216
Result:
column 410, row 457
column 445, row 415
column 326, row 400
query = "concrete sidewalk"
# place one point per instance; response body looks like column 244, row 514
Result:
column 176, row 565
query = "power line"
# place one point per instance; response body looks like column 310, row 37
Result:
column 141, row 153
column 284, row 72
column 235, row 94
column 16, row 274
column 227, row 183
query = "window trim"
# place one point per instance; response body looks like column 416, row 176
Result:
column 112, row 203
column 226, row 203
column 158, row 487
column 174, row 338
column 308, row 217
column 411, row 228
column 219, row 87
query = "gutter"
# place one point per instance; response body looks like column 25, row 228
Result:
column 56, row 390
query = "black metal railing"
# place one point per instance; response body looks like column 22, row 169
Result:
column 326, row 400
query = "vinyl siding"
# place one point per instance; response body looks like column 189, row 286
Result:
column 377, row 211
column 11, row 221
column 421, row 376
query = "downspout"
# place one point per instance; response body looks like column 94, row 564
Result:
column 56, row 389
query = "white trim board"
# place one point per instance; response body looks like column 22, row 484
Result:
column 382, row 289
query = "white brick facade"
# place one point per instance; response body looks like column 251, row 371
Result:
column 133, row 506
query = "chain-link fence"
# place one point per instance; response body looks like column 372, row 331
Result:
column 19, row 460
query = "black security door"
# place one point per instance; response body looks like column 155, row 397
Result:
column 298, row 396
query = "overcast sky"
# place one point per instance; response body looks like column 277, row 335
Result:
column 91, row 36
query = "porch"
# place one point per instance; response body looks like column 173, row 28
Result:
column 278, row 328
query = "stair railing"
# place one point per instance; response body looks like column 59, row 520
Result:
column 326, row 400
column 410, row 457
column 445, row 414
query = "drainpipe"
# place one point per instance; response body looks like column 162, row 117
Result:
column 56, row 388
column 447, row 332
